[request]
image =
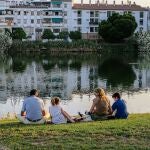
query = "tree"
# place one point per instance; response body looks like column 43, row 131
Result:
column 117, row 27
column 75, row 35
column 63, row 35
column 18, row 33
column 5, row 42
column 48, row 34
column 8, row 32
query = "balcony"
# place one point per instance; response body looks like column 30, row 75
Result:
column 54, row 24
column 93, row 23
column 46, row 24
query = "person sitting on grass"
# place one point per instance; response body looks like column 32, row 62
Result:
column 58, row 115
column 119, row 106
column 101, row 105
column 33, row 109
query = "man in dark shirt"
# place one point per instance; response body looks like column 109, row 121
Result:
column 119, row 106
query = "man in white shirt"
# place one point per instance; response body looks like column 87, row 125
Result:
column 33, row 109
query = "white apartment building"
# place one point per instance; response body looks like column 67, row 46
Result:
column 87, row 16
column 64, row 15
column 30, row 19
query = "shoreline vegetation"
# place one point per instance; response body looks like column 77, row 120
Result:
column 74, row 46
column 133, row 133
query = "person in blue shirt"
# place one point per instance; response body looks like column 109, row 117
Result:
column 119, row 106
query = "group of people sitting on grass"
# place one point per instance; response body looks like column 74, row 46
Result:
column 33, row 111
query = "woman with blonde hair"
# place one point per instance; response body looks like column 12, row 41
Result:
column 101, row 105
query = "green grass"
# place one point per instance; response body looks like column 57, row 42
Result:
column 133, row 133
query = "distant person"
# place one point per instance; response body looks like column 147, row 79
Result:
column 119, row 106
column 101, row 105
column 33, row 109
column 58, row 115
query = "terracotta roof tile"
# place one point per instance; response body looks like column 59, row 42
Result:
column 109, row 7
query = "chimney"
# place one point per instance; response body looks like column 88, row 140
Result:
column 114, row 3
column 134, row 3
column 90, row 2
column 81, row 2
column 106, row 3
column 129, row 3
column 98, row 2
column 122, row 3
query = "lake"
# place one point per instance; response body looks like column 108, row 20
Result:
column 73, row 77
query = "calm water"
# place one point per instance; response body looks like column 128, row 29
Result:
column 73, row 78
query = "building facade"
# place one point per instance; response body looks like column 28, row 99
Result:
column 64, row 15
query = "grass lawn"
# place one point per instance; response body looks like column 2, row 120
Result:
column 133, row 133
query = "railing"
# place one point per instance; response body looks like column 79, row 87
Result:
column 93, row 23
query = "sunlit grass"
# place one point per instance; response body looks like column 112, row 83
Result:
column 133, row 133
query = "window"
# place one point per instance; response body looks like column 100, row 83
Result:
column 65, row 5
column 18, row 21
column 46, row 13
column 56, row 30
column 96, row 20
column 65, row 13
column 25, row 12
column 91, row 29
column 38, row 13
column 32, row 21
column 25, row 21
column 96, row 29
column 79, row 13
column 18, row 12
column 141, row 22
column 79, row 29
column 108, row 14
column 56, row 13
column 79, row 21
column 32, row 13
column 91, row 20
column 91, row 13
column 141, row 14
column 38, row 21
column 56, row 5
column 96, row 14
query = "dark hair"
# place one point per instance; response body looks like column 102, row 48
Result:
column 55, row 101
column 33, row 92
column 116, row 95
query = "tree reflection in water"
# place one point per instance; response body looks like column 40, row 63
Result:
column 116, row 72
column 65, row 74
column 78, row 73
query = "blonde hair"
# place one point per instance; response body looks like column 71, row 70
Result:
column 101, row 92
column 102, row 95
column 55, row 101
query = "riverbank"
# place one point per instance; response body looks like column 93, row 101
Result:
column 74, row 46
column 133, row 133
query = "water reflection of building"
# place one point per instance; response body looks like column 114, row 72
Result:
column 58, row 81
column 143, row 78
